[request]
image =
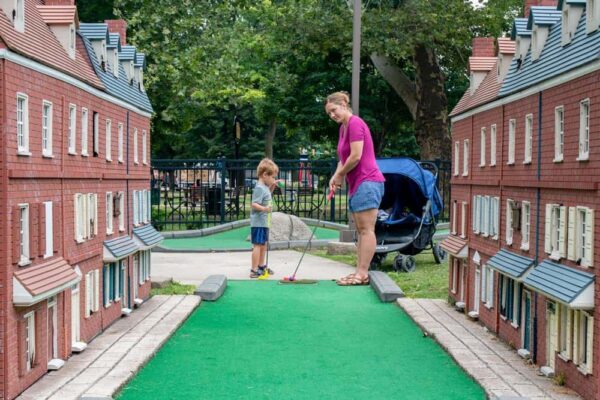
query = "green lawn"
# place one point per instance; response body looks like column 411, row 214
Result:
column 174, row 288
column 429, row 280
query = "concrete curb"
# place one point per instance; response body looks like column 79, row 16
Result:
column 385, row 287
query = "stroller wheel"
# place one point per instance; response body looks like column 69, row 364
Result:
column 439, row 254
column 376, row 261
column 404, row 263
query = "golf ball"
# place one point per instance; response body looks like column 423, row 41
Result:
column 285, row 278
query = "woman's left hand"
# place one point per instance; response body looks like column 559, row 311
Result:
column 335, row 182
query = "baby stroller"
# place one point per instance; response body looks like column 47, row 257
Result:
column 408, row 213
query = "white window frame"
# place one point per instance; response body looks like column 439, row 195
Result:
column 474, row 217
column 72, row 136
column 557, row 231
column 108, row 140
column 144, row 147
column 584, row 130
column 24, row 249
column 565, row 331
column 487, row 286
column 486, row 216
column 528, row 138
column 109, row 213
column 79, row 210
column 454, row 218
column 466, row 157
column 592, row 15
column 120, row 140
column 135, row 146
column 93, row 214
column 525, row 224
column 583, row 347
column 512, row 127
column 22, row 122
column 96, row 134
column 509, row 222
column 135, row 208
column 19, row 21
column 456, row 158
column 46, row 128
column 30, row 345
column 482, row 148
column 493, row 145
column 463, row 220
column 559, row 133
column 494, row 217
column 49, row 245
column 122, row 211
column 84, row 131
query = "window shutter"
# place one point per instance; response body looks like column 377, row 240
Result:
column 16, row 248
column 76, row 212
column 508, row 224
column 590, row 344
column 22, row 344
column 95, row 214
column 86, row 215
column 42, row 229
column 571, row 237
column 589, row 237
column 490, row 289
column 557, row 319
column 95, row 305
column 111, row 283
column 576, row 337
column 56, row 227
column 105, row 284
column 561, row 243
column 548, row 229
column 121, row 279
column 88, row 294
column 474, row 217
column 569, row 333
column 135, row 205
column 33, row 233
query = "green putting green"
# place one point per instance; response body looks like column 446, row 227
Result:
column 231, row 239
column 263, row 340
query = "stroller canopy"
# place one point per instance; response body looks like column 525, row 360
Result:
column 408, row 187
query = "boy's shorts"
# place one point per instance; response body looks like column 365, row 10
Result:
column 259, row 235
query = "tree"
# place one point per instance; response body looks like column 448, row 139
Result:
column 94, row 10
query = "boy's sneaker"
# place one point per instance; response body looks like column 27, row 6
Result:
column 256, row 274
column 264, row 267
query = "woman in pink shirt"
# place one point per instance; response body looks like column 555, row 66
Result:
column 365, row 181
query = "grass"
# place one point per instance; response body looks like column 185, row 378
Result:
column 174, row 288
column 429, row 280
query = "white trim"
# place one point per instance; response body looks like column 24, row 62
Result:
column 540, row 87
column 25, row 62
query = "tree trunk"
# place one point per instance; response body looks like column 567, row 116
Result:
column 269, row 136
column 398, row 80
column 431, row 121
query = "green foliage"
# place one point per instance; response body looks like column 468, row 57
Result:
column 94, row 10
column 173, row 288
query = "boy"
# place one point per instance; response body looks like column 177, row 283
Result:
column 260, row 215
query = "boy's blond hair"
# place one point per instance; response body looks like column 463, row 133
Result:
column 267, row 165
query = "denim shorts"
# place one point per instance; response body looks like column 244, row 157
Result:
column 367, row 196
column 259, row 235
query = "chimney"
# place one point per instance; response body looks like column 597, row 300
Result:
column 118, row 26
column 59, row 2
column 530, row 3
column 484, row 47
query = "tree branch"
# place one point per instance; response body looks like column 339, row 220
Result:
column 402, row 85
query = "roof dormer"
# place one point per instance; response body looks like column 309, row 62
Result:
column 97, row 34
column 592, row 15
column 541, row 18
column 522, row 37
column 127, row 58
column 571, row 14
column 482, row 61
column 63, row 22
column 506, row 51
column 15, row 11
column 113, row 49
column 139, row 65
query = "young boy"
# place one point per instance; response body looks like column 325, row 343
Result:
column 260, row 215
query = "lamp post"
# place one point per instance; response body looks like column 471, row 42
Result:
column 237, row 135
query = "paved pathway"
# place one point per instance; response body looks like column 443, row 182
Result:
column 112, row 358
column 193, row 268
column 492, row 363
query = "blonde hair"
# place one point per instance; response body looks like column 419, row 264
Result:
column 268, row 166
column 340, row 98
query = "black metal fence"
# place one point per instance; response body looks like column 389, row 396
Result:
column 194, row 194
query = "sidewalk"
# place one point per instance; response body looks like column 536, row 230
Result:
column 113, row 357
column 497, row 368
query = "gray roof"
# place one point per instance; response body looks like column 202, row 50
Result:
column 94, row 31
column 510, row 264
column 148, row 235
column 543, row 15
column 520, row 28
column 558, row 281
column 555, row 59
column 121, row 247
column 115, row 41
column 118, row 86
column 140, row 60
column 127, row 53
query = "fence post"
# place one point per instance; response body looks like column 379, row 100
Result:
column 223, row 173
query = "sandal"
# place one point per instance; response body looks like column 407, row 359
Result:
column 255, row 274
column 353, row 280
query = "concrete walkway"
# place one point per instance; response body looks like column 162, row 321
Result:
column 498, row 368
column 193, row 268
column 113, row 357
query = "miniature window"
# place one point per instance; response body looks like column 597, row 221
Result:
column 72, row 127
column 456, row 158
column 493, row 145
column 47, row 129
column 22, row 124
column 482, row 152
column 30, row 344
column 466, row 157
column 109, row 213
column 24, row 234
column 135, row 146
column 528, row 138
column 512, row 126
column 120, row 144
column 559, row 133
column 84, row 132
column 584, row 130
column 525, row 224
column 108, row 140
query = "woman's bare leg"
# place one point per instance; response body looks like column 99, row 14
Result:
column 365, row 228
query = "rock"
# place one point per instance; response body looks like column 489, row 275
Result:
column 286, row 227
column 341, row 248
column 160, row 283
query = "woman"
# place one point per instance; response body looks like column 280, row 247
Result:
column 365, row 181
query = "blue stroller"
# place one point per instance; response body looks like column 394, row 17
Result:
column 408, row 213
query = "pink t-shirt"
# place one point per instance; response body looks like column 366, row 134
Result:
column 366, row 169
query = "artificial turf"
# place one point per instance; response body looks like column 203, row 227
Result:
column 231, row 239
column 263, row 340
